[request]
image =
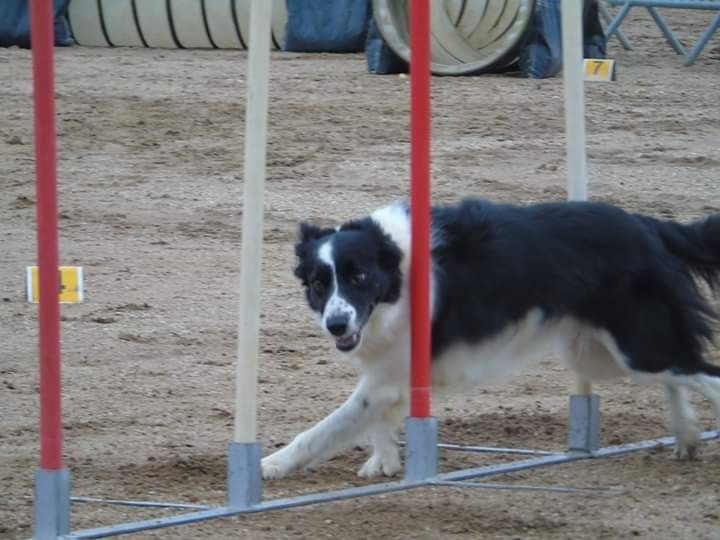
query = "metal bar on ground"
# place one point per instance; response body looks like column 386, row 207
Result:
column 374, row 489
column 219, row 512
column 315, row 498
column 612, row 451
column 140, row 504
column 496, row 450
column 514, row 466
column 595, row 492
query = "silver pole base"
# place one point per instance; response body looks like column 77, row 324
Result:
column 244, row 474
column 584, row 423
column 52, row 503
column 420, row 448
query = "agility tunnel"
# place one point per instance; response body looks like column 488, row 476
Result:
column 191, row 24
column 468, row 36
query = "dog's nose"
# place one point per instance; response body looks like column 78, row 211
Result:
column 337, row 325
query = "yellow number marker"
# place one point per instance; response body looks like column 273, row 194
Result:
column 71, row 284
column 599, row 69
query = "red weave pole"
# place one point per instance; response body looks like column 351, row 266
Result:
column 43, row 41
column 420, row 207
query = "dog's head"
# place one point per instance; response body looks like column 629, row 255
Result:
column 346, row 272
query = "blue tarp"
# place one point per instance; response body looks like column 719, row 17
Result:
column 381, row 59
column 15, row 23
column 541, row 52
column 338, row 26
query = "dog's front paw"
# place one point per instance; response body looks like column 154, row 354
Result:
column 275, row 467
column 377, row 465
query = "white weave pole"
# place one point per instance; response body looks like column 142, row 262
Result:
column 572, row 46
column 252, row 222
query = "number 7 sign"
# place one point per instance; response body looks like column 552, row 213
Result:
column 599, row 69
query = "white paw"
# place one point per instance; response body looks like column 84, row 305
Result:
column 377, row 465
column 274, row 467
column 686, row 452
column 686, row 444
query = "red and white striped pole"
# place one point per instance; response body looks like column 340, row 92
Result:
column 421, row 428
column 52, row 497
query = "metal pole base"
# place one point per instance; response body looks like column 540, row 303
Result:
column 244, row 474
column 584, row 423
column 52, row 503
column 420, row 448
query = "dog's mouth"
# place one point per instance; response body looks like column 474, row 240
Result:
column 347, row 343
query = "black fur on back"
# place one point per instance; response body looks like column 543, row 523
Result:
column 631, row 275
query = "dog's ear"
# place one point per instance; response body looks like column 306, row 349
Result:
column 390, row 255
column 309, row 232
column 306, row 235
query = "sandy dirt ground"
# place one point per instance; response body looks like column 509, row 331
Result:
column 150, row 160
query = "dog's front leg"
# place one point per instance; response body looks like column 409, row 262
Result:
column 385, row 458
column 334, row 433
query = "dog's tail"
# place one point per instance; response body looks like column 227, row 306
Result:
column 696, row 244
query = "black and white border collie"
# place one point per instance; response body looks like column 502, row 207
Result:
column 613, row 293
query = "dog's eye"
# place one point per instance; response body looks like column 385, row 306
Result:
column 318, row 287
column 359, row 278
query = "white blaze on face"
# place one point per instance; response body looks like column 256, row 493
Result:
column 336, row 305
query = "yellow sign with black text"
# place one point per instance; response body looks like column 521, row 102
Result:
column 71, row 284
column 599, row 69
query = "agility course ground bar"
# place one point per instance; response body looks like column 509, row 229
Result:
column 452, row 479
column 140, row 504
column 497, row 450
column 593, row 492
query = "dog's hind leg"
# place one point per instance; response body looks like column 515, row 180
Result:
column 683, row 422
column 709, row 386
